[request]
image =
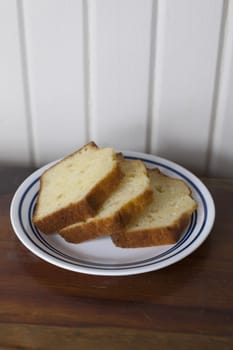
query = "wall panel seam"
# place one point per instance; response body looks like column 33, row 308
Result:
column 159, row 15
column 217, row 88
column 86, row 57
column 89, row 14
column 25, row 80
column 153, row 34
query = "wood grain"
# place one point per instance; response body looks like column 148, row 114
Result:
column 33, row 337
column 183, row 306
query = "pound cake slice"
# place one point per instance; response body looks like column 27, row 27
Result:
column 75, row 188
column 127, row 201
column 164, row 219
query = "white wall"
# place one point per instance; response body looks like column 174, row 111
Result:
column 145, row 75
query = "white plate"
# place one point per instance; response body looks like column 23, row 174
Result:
column 101, row 257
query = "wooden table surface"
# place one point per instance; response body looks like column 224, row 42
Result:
column 185, row 306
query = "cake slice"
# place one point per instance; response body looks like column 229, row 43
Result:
column 75, row 188
column 127, row 201
column 163, row 221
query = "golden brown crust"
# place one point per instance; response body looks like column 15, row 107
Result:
column 147, row 237
column 102, row 190
column 83, row 209
column 151, row 236
column 45, row 221
column 65, row 216
column 103, row 226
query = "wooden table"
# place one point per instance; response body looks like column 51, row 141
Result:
column 185, row 306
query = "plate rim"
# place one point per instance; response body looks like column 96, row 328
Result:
column 174, row 167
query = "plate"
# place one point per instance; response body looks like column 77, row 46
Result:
column 100, row 256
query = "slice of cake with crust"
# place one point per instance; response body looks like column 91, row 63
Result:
column 127, row 201
column 75, row 187
column 163, row 221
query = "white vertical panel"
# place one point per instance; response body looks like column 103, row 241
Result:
column 14, row 143
column 55, row 50
column 119, row 71
column 221, row 157
column 185, row 65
